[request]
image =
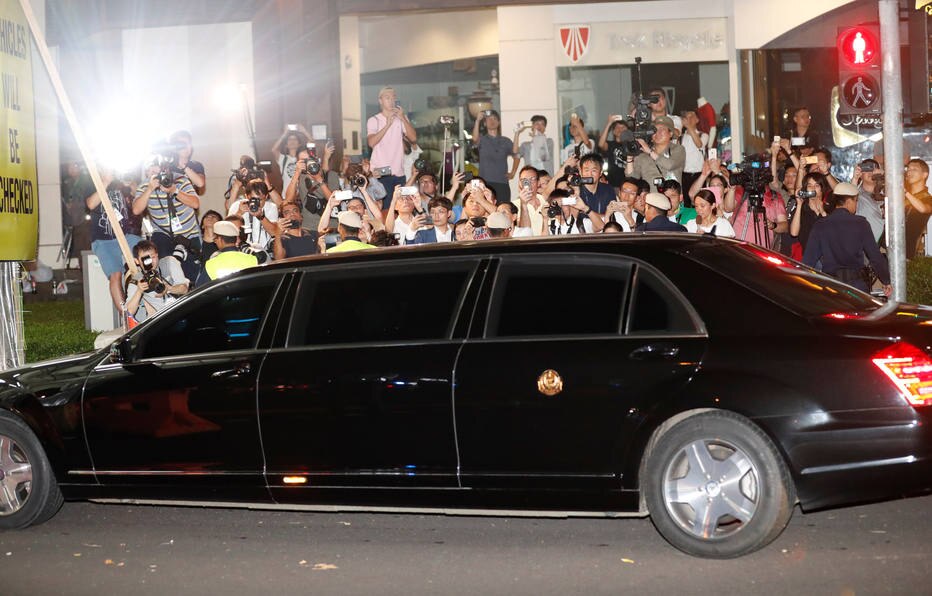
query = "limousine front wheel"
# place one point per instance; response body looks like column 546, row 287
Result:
column 28, row 491
column 716, row 486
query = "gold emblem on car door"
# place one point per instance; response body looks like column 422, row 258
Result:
column 550, row 382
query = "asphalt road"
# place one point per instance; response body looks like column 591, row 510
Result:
column 118, row 549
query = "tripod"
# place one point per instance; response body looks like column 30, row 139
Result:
column 756, row 216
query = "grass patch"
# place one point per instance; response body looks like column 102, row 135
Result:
column 54, row 329
column 919, row 280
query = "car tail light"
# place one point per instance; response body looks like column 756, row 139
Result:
column 910, row 369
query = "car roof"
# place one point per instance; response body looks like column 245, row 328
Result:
column 495, row 247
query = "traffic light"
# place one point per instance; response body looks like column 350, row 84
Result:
column 859, row 69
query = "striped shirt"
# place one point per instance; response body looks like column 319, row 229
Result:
column 158, row 207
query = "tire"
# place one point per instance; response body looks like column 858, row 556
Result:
column 716, row 486
column 29, row 494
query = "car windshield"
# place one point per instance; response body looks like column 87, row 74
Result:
column 789, row 283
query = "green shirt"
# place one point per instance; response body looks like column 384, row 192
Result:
column 348, row 245
column 685, row 214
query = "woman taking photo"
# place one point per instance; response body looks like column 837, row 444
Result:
column 494, row 151
column 811, row 206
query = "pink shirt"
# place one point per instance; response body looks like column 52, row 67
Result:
column 773, row 206
column 390, row 151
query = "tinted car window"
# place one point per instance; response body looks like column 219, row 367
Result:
column 222, row 319
column 393, row 303
column 558, row 297
column 796, row 287
column 655, row 309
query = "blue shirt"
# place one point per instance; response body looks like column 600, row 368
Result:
column 599, row 200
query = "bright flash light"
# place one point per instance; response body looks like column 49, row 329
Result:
column 228, row 98
column 122, row 134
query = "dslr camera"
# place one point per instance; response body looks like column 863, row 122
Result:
column 573, row 178
column 357, row 181
column 254, row 170
column 150, row 275
column 262, row 253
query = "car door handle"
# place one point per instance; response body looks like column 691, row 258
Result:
column 655, row 352
column 242, row 368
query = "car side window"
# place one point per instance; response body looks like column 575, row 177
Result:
column 655, row 308
column 222, row 319
column 390, row 303
column 559, row 296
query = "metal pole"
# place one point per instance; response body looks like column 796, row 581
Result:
column 11, row 316
column 893, row 143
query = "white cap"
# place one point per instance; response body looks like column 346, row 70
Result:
column 349, row 219
column 659, row 200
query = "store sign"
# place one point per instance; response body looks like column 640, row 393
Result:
column 685, row 40
column 19, row 200
column 575, row 41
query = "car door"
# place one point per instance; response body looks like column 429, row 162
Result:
column 573, row 347
column 182, row 409
column 360, row 394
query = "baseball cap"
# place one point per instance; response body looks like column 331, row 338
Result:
column 226, row 228
column 665, row 121
column 498, row 221
column 846, row 189
column 349, row 219
column 660, row 201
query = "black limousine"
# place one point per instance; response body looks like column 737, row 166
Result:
column 707, row 383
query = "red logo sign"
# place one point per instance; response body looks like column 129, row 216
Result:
column 575, row 41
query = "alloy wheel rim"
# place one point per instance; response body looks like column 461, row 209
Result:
column 711, row 489
column 15, row 476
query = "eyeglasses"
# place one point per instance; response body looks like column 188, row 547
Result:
column 628, row 192
column 528, row 179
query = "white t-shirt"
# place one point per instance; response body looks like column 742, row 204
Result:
column 410, row 158
column 620, row 219
column 402, row 230
column 170, row 271
column 288, row 164
column 568, row 227
column 695, row 156
column 570, row 150
column 723, row 229
column 256, row 234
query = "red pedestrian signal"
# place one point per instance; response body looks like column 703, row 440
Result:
column 859, row 69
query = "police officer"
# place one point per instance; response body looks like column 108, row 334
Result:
column 228, row 257
column 841, row 240
column 655, row 215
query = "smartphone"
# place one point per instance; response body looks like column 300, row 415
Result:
column 776, row 139
column 867, row 166
column 488, row 113
column 526, row 184
column 355, row 158
column 342, row 195
column 475, row 183
column 292, row 127
column 467, row 177
column 409, row 191
column 811, row 159
column 428, row 220
column 568, row 201
column 713, row 153
column 797, row 141
column 398, row 104
column 384, row 171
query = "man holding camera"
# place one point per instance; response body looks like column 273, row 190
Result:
column 260, row 216
column 434, row 226
column 756, row 219
column 868, row 177
column 538, row 152
column 292, row 240
column 624, row 211
column 614, row 146
column 385, row 134
column 228, row 258
column 308, row 187
column 159, row 283
column 592, row 190
column 663, row 160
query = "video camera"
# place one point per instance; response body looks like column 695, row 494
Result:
column 753, row 174
column 641, row 125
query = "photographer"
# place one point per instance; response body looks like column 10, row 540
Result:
column 580, row 144
column 494, row 151
column 567, row 213
column 228, row 258
column 292, row 240
column 171, row 202
column 596, row 194
column 385, row 133
column 349, row 224
column 810, row 206
column 286, row 148
column 248, row 170
column 103, row 240
column 531, row 204
column 260, row 216
column 194, row 170
column 842, row 240
column 615, row 148
column 868, row 177
column 308, row 189
column 663, row 160
column 695, row 142
column 159, row 283
column 623, row 211
column 366, row 207
column 757, row 213
column 438, row 227
column 538, row 152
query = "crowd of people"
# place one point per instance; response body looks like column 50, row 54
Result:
column 662, row 173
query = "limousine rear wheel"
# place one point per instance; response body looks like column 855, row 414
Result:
column 716, row 486
column 28, row 491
